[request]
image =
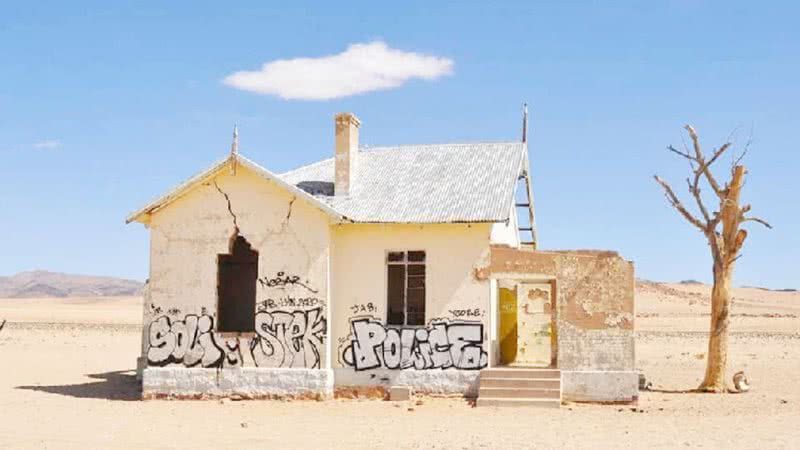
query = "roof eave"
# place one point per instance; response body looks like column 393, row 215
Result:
column 143, row 214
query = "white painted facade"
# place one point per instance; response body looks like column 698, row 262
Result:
column 316, row 275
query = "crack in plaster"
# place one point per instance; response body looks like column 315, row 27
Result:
column 289, row 213
column 230, row 209
column 287, row 230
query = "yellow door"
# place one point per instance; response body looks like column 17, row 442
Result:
column 534, row 324
column 508, row 325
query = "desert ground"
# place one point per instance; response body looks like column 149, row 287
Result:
column 69, row 383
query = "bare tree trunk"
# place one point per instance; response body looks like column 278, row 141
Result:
column 724, row 260
column 714, row 380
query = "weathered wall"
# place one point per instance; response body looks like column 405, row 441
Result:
column 457, row 305
column 594, row 317
column 292, row 238
column 594, row 303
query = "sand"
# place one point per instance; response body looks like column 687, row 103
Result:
column 68, row 382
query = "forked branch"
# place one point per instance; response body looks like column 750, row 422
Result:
column 676, row 203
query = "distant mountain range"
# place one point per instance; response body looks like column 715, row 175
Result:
column 40, row 283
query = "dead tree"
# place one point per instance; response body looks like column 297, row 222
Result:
column 725, row 244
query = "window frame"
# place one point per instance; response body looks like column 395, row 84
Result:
column 405, row 262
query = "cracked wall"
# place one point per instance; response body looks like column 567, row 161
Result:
column 594, row 300
column 292, row 239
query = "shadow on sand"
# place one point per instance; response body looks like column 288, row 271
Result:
column 120, row 385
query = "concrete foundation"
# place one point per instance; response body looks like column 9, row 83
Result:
column 399, row 393
column 600, row 386
column 436, row 381
column 247, row 382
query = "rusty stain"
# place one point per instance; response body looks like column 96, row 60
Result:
column 594, row 287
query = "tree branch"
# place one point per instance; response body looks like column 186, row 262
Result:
column 695, row 191
column 756, row 219
column 676, row 151
column 703, row 167
column 673, row 199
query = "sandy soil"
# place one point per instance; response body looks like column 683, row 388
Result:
column 68, row 383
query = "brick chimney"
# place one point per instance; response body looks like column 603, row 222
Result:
column 346, row 152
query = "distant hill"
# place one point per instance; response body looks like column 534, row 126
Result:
column 40, row 283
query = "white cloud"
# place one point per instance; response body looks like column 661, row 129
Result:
column 361, row 68
column 49, row 144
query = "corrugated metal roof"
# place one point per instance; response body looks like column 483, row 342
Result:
column 422, row 183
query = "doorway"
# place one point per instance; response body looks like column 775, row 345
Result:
column 526, row 327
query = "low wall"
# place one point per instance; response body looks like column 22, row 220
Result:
column 594, row 316
column 247, row 382
column 599, row 386
column 436, row 381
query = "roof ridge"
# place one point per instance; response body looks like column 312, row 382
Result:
column 370, row 148
column 315, row 163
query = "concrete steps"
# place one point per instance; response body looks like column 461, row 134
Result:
column 520, row 387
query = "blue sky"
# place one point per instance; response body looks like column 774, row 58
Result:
column 103, row 107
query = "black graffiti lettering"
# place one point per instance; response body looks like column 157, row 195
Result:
column 289, row 339
column 281, row 279
column 441, row 345
column 233, row 356
column 474, row 312
column 364, row 308
column 189, row 342
column 288, row 302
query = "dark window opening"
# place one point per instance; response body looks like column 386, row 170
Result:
column 237, row 273
column 405, row 288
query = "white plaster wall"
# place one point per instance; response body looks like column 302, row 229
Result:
column 249, row 382
column 290, row 235
column 507, row 232
column 358, row 277
column 464, row 382
column 599, row 386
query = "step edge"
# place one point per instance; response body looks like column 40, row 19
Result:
column 520, row 378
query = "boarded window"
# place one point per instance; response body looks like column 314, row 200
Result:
column 405, row 288
column 237, row 273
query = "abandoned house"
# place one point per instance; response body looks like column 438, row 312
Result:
column 412, row 267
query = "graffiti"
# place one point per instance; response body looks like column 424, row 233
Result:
column 233, row 356
column 288, row 302
column 440, row 345
column 364, row 308
column 288, row 339
column 189, row 341
column 281, row 280
column 475, row 312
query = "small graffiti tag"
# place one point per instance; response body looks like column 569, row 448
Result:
column 289, row 302
column 364, row 308
column 474, row 312
column 281, row 280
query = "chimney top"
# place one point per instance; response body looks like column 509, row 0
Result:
column 348, row 117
